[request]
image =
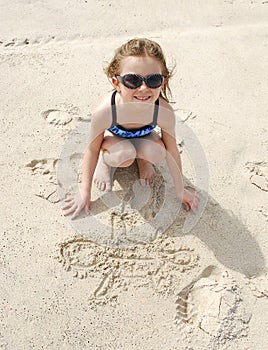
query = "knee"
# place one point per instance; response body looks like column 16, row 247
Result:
column 125, row 157
column 122, row 156
column 153, row 153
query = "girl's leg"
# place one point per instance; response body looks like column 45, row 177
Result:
column 150, row 150
column 115, row 152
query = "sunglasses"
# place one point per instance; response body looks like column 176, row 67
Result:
column 133, row 81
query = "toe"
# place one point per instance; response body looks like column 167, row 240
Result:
column 108, row 187
column 151, row 180
column 143, row 182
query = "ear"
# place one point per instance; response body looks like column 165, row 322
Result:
column 115, row 84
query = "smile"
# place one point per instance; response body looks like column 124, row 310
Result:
column 142, row 98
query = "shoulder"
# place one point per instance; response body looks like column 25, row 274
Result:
column 165, row 105
column 102, row 113
column 166, row 115
column 104, row 104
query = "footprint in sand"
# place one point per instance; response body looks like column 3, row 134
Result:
column 27, row 41
column 159, row 264
column 61, row 118
column 57, row 117
column 259, row 174
column 45, row 168
column 211, row 306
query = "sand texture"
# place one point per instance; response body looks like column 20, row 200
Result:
column 139, row 272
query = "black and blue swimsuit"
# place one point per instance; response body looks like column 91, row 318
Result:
column 120, row 131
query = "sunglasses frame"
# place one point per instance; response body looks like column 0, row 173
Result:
column 142, row 79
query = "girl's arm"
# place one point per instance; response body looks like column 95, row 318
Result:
column 173, row 158
column 82, row 200
column 90, row 160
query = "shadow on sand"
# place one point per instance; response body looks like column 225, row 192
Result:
column 232, row 243
column 224, row 234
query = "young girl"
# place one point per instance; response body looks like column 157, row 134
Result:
column 122, row 128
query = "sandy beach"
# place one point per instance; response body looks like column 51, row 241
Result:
column 153, row 284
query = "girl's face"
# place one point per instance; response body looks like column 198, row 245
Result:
column 143, row 66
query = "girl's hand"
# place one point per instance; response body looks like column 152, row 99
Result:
column 190, row 200
column 77, row 203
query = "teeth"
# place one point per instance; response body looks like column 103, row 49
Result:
column 142, row 98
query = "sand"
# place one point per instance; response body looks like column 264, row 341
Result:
column 129, row 275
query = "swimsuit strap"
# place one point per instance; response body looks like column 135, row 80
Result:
column 114, row 116
column 114, row 122
column 156, row 109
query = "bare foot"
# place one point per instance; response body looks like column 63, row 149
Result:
column 102, row 176
column 146, row 171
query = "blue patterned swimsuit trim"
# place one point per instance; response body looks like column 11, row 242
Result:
column 120, row 131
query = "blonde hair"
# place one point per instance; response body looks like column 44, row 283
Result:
column 141, row 47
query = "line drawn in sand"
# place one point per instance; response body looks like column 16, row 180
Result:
column 211, row 308
column 258, row 285
column 259, row 174
column 158, row 264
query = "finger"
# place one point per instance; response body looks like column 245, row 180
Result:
column 102, row 186
column 70, row 211
column 87, row 210
column 187, row 206
column 68, row 199
column 76, row 213
column 67, row 206
column 194, row 206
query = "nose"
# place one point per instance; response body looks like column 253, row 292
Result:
column 143, row 86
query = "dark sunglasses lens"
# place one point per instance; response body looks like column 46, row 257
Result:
column 132, row 81
column 155, row 81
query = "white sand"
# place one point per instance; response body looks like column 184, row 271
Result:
column 207, row 289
